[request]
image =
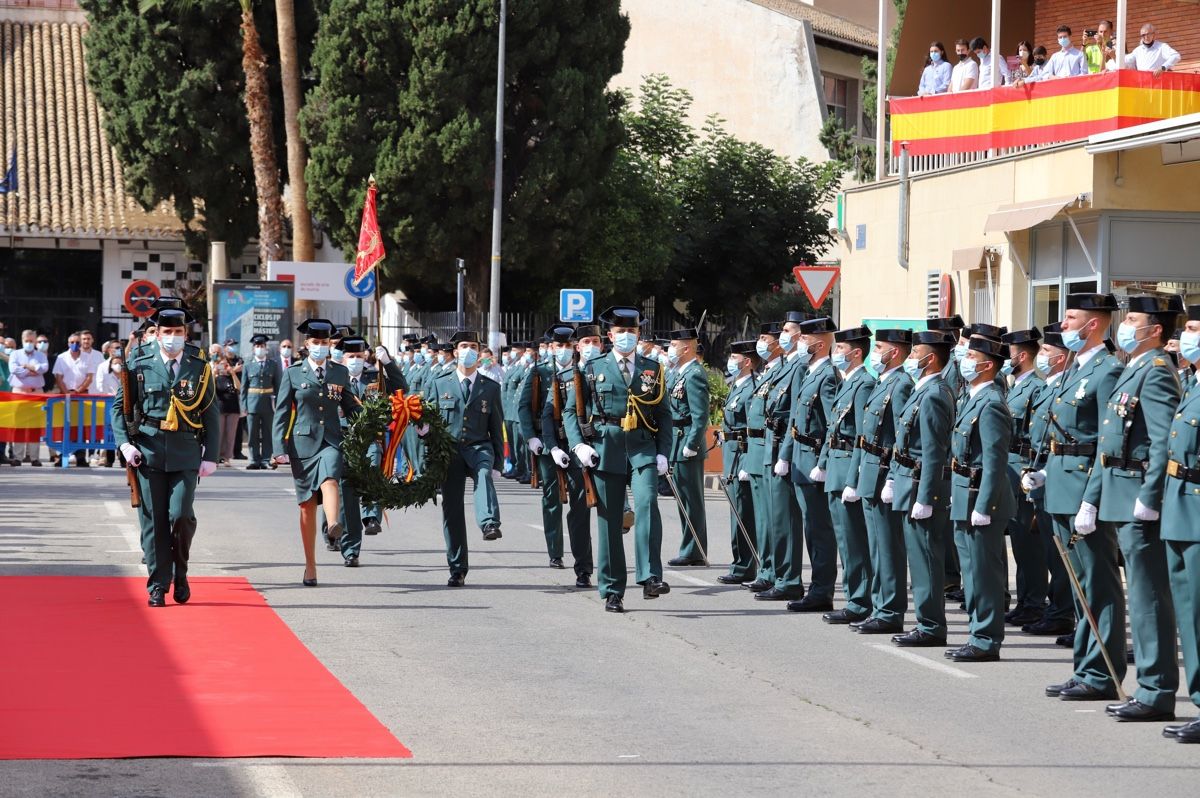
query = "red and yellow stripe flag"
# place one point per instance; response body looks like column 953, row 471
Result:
column 1044, row 112
column 23, row 417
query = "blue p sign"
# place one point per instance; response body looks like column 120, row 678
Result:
column 575, row 305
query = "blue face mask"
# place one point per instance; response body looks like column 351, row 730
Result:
column 260, row 351
column 467, row 358
column 563, row 356
column 732, row 367
column 968, row 368
column 27, row 346
column 763, row 349
column 960, row 351
column 419, row 358
column 1127, row 337
column 1043, row 364
column 74, row 347
column 804, row 356
column 672, row 358
column 787, row 342
column 318, row 352
column 337, row 354
column 1064, row 41
column 171, row 344
column 589, row 351
column 1072, row 340
column 912, row 367
column 1007, row 368
column 355, row 366
column 624, row 342
column 285, row 351
column 840, row 361
column 1189, row 346
column 935, row 56
column 527, row 358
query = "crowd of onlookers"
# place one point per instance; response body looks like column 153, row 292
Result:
column 1097, row 53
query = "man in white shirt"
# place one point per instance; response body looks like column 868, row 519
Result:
column 1068, row 61
column 72, row 371
column 965, row 75
column 984, row 54
column 1151, row 55
column 28, row 374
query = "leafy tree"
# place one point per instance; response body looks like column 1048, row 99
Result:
column 851, row 156
column 406, row 91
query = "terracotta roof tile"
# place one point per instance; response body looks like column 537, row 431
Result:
column 69, row 177
column 824, row 23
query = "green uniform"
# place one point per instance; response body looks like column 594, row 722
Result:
column 626, row 456
column 783, row 520
column 688, row 389
column 849, row 524
column 757, row 464
column 734, row 456
column 1130, row 467
column 1061, row 605
column 531, row 402
column 308, row 426
column 877, row 437
column 1028, row 546
column 554, row 434
column 474, row 421
column 1181, row 531
column 171, row 460
column 979, row 450
column 813, row 390
column 260, row 383
column 920, row 473
column 513, row 379
column 1074, row 428
column 954, row 381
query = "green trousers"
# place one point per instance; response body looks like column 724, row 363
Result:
column 926, row 553
column 983, row 561
column 782, row 523
column 611, row 574
column 517, row 450
column 1061, row 604
column 1151, row 613
column 850, row 528
column 1183, row 567
column 578, row 516
column 476, row 464
column 761, row 530
column 370, row 512
column 258, row 430
column 1029, row 553
column 167, row 497
column 1094, row 558
column 744, row 566
column 689, row 481
column 816, row 529
column 950, row 554
column 889, row 572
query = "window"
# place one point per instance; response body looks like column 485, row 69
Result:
column 837, row 98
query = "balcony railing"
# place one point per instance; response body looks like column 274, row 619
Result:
column 944, row 131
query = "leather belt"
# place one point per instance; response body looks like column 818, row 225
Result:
column 596, row 419
column 735, row 435
column 807, row 440
column 1073, row 449
column 756, row 433
column 1120, row 462
column 973, row 475
column 1022, row 449
column 261, row 390
column 841, row 444
column 681, row 423
column 1180, row 471
column 915, row 464
column 882, row 452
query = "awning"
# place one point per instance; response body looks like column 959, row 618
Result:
column 964, row 260
column 1177, row 130
column 1024, row 215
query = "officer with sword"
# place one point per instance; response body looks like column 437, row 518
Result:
column 736, row 482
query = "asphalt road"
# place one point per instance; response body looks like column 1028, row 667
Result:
column 520, row 684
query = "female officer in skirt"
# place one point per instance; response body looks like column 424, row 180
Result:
column 308, row 434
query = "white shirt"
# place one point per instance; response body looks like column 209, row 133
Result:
column 924, row 380
column 1083, row 357
column 847, row 375
column 166, row 359
column 1053, row 378
column 964, row 70
column 630, row 358
column 470, row 378
column 33, row 366
column 985, row 71
column 773, row 363
column 977, row 388
column 883, row 377
column 740, row 380
column 74, row 370
column 1159, row 55
column 314, row 365
column 106, row 382
column 1065, row 64
column 1022, row 377
column 815, row 364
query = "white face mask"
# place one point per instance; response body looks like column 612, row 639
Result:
column 355, row 365
column 260, row 352
column 171, row 344
column 285, row 351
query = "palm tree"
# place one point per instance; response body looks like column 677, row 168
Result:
column 297, row 157
column 262, row 143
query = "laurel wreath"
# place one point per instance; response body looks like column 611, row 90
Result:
column 370, row 425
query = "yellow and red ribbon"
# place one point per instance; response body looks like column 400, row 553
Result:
column 405, row 409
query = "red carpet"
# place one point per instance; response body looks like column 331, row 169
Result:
column 88, row 671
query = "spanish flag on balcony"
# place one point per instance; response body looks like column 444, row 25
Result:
column 1045, row 112
column 23, row 418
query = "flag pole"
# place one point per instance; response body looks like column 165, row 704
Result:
column 378, row 310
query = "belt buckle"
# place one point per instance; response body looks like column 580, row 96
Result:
column 1104, row 460
column 1173, row 468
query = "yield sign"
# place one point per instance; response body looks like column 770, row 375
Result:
column 817, row 281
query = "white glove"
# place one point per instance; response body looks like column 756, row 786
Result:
column 979, row 519
column 849, row 495
column 743, row 476
column 381, row 354
column 495, row 475
column 1033, row 480
column 587, row 455
column 817, row 474
column 661, row 463
column 207, row 468
column 535, row 445
column 687, row 453
column 422, row 430
column 888, row 494
column 1085, row 519
column 282, row 459
column 132, row 455
column 781, row 468
column 1143, row 513
column 921, row 511
column 560, row 457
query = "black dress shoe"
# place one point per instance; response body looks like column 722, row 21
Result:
column 727, row 579
column 842, row 617
column 183, row 591
column 1189, row 733
column 1047, row 627
column 655, row 587
column 1082, row 691
column 613, row 604
column 309, row 582
column 682, row 562
column 156, row 597
column 758, row 585
column 491, row 532
column 810, row 604
column 970, row 653
column 583, row 580
column 456, row 580
column 1053, row 690
column 254, row 467
column 372, row 528
column 950, row 588
column 956, row 595
column 1023, row 616
column 352, row 561
column 1173, row 729
column 877, row 626
column 774, row 594
column 1135, row 711
column 556, row 562
column 918, row 639
column 1065, row 641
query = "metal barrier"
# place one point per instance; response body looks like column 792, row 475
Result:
column 77, row 432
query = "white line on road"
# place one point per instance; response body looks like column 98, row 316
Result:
column 113, row 509
column 261, row 780
column 941, row 667
column 538, row 527
column 691, row 580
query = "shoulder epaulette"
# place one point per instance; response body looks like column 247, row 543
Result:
column 1160, row 361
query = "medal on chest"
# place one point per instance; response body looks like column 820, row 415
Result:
column 648, row 380
column 1082, row 392
column 677, row 391
column 1123, row 405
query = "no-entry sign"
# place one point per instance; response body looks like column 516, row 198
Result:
column 139, row 298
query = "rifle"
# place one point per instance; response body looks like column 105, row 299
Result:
column 135, row 492
column 589, row 487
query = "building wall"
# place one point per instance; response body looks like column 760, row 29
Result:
column 1177, row 23
column 1145, row 183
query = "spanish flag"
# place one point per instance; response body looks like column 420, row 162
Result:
column 23, row 418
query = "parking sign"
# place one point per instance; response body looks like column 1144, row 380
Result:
column 575, row 305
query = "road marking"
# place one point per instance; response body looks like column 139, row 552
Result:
column 1085, row 710
column 265, row 780
column 629, row 756
column 691, row 580
column 113, row 509
column 940, row 667
column 538, row 527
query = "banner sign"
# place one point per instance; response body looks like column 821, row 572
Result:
column 244, row 309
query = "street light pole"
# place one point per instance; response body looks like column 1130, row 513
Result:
column 497, row 191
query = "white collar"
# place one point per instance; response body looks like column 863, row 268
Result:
column 1083, row 357
column 815, row 365
column 740, row 380
column 1053, row 378
column 680, row 369
column 851, row 372
column 168, row 358
column 924, row 380
column 977, row 388
column 772, row 364
column 315, row 365
column 888, row 373
column 1136, row 358
column 1022, row 377
column 462, row 375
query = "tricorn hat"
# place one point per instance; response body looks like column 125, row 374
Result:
column 684, row 334
column 622, row 316
column 560, row 333
column 944, row 323
column 1101, row 303
column 316, row 328
column 1031, row 336
column 172, row 317
column 894, row 336
column 586, row 331
column 852, row 334
column 934, row 338
column 818, row 326
column 465, row 336
column 989, row 346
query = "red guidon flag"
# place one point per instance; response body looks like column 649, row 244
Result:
column 370, row 243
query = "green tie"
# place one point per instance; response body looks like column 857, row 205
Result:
column 625, row 375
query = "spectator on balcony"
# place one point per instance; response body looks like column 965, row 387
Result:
column 1098, row 51
column 935, row 79
column 984, row 53
column 1152, row 55
column 965, row 75
column 1068, row 62
column 1025, row 65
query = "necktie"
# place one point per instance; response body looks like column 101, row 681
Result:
column 466, row 388
column 354, row 381
column 320, row 374
column 625, row 374
column 171, row 366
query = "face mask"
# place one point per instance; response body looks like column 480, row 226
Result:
column 1189, row 345
column 260, row 351
column 171, row 344
column 732, row 367
column 963, row 57
column 563, row 356
column 1127, row 337
column 527, row 358
column 877, row 362
column 804, row 356
column 1064, row 41
column 960, row 351
column 673, row 357
column 542, row 354
column 1040, row 60
column 232, row 350
column 318, row 352
column 355, row 366
column 1072, row 340
column 787, row 342
column 467, row 358
column 6, row 349
column 73, row 347
column 419, row 358
column 1007, row 368
column 117, row 368
column 912, row 367
column 763, row 349
column 27, row 346
column 935, row 56
column 624, row 342
column 840, row 361
column 662, row 357
column 337, row 353
column 968, row 369
column 589, row 351
column 45, row 345
column 1023, row 55
column 486, row 362
column 1043, row 363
